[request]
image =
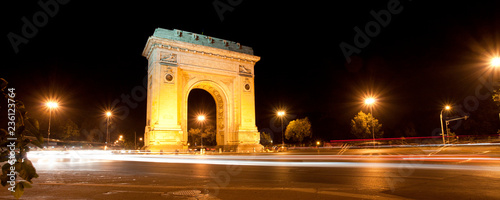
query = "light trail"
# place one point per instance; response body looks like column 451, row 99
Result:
column 53, row 157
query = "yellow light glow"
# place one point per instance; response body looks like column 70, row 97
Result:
column 495, row 62
column 281, row 113
column 201, row 118
column 317, row 143
column 140, row 139
column 369, row 101
column 447, row 107
column 108, row 114
column 52, row 104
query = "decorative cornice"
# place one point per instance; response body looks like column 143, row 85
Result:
column 193, row 38
column 163, row 43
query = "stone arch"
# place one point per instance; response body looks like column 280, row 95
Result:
column 220, row 95
column 177, row 64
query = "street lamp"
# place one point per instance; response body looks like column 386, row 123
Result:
column 441, row 117
column 281, row 114
column 108, row 115
column 370, row 102
column 51, row 105
column 495, row 62
column 135, row 141
column 201, row 119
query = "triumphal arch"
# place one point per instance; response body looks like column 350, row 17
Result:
column 180, row 61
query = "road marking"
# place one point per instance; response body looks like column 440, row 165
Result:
column 344, row 148
column 435, row 151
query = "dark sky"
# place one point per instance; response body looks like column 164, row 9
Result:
column 430, row 53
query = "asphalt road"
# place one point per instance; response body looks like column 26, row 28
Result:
column 386, row 173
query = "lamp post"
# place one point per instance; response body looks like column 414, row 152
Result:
column 495, row 62
column 201, row 119
column 281, row 114
column 51, row 105
column 108, row 115
column 441, row 117
column 370, row 102
column 121, row 141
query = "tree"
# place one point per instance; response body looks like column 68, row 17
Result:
column 209, row 136
column 410, row 130
column 265, row 138
column 298, row 129
column 496, row 96
column 483, row 120
column 69, row 131
column 95, row 136
column 194, row 136
column 14, row 152
column 361, row 126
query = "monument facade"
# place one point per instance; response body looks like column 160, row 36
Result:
column 180, row 61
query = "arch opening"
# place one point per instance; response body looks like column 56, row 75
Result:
column 202, row 119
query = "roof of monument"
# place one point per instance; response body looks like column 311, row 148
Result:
column 194, row 38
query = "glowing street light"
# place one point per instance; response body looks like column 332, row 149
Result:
column 201, row 119
column 447, row 107
column 108, row 115
column 370, row 102
column 281, row 114
column 51, row 105
column 140, row 141
column 495, row 62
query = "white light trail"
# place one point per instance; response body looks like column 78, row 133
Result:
column 54, row 157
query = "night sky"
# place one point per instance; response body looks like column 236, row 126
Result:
column 88, row 54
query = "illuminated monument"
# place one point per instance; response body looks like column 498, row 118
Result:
column 180, row 61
